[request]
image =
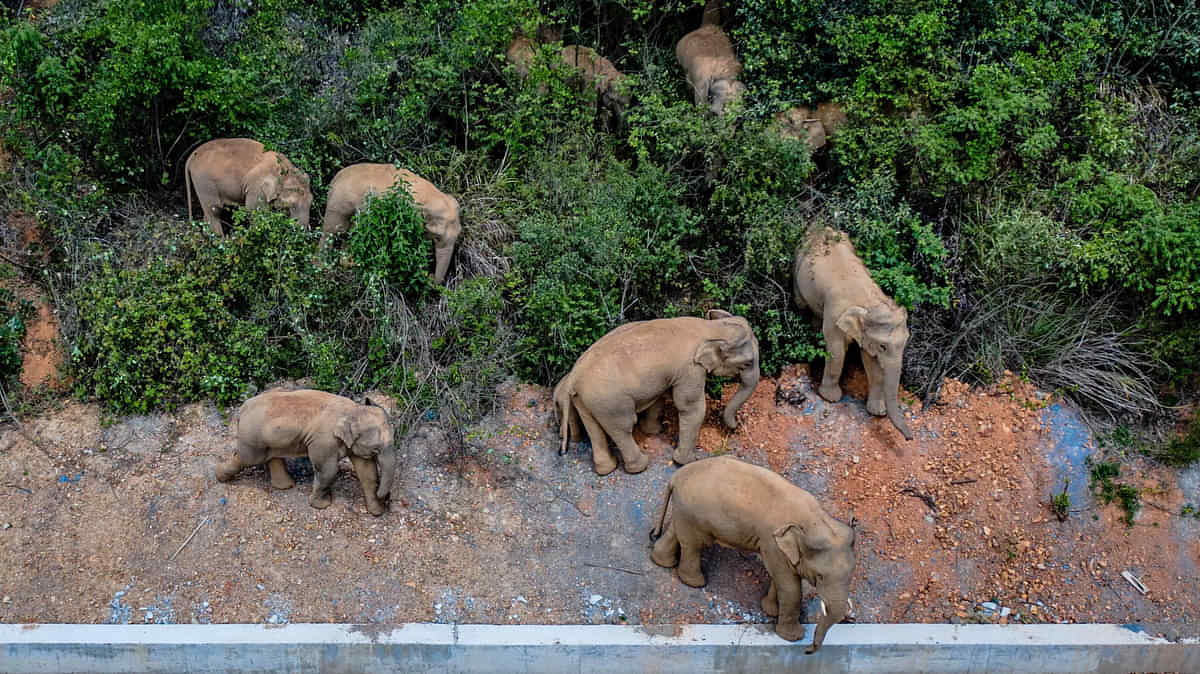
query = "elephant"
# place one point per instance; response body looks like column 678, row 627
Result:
column 349, row 189
column 832, row 280
column 240, row 172
column 800, row 123
column 832, row 117
column 323, row 426
column 592, row 69
column 739, row 505
column 627, row 371
column 712, row 68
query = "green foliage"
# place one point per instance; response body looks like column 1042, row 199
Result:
column 1060, row 504
column 207, row 322
column 602, row 245
column 1183, row 450
column 388, row 240
column 1104, row 475
column 13, row 315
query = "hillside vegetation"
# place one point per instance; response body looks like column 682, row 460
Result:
column 1022, row 175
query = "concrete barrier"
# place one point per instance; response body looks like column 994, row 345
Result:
column 594, row 648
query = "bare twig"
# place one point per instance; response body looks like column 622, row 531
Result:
column 188, row 539
column 912, row 491
column 614, row 568
column 966, row 481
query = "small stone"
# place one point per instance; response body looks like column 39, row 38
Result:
column 594, row 599
column 7, row 525
column 990, row 606
column 855, row 458
column 260, row 587
column 7, row 599
column 1004, row 611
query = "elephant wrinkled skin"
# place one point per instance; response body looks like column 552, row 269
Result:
column 832, row 280
column 627, row 371
column 349, row 190
column 739, row 505
column 324, row 427
column 711, row 66
column 240, row 172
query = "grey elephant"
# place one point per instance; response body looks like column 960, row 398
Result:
column 832, row 280
column 627, row 371
column 814, row 127
column 711, row 67
column 324, row 427
column 739, row 505
column 349, row 190
column 241, row 172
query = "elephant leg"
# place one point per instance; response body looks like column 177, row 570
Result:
column 622, row 434
column 770, row 603
column 666, row 548
column 651, row 422
column 322, row 497
column 689, row 400
column 876, row 404
column 368, row 477
column 788, row 591
column 689, row 558
column 835, row 345
column 602, row 457
column 280, row 479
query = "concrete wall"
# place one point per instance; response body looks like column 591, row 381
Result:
column 585, row 648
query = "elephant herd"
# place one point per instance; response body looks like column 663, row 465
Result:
column 627, row 373
column 241, row 172
column 620, row 381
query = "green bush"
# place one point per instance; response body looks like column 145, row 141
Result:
column 388, row 240
column 13, row 315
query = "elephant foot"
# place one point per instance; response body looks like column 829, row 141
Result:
column 876, row 407
column 791, row 630
column 683, row 458
column 376, row 508
column 605, row 465
column 832, row 393
column 320, row 502
column 665, row 558
column 730, row 419
column 637, row 464
column 284, row 481
column 693, row 579
column 770, row 605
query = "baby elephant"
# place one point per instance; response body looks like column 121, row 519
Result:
column 739, row 505
column 627, row 371
column 323, row 426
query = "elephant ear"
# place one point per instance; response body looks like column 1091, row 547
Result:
column 344, row 431
column 851, row 323
column 716, row 314
column 788, row 539
column 710, row 353
column 265, row 191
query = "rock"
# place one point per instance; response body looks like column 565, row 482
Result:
column 594, row 599
column 990, row 606
column 1004, row 611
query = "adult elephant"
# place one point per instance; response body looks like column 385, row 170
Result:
column 627, row 371
column 324, row 427
column 241, row 172
column 832, row 280
column 711, row 67
column 351, row 185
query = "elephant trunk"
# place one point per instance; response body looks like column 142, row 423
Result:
column 749, row 383
column 386, row 463
column 300, row 213
column 833, row 612
column 891, row 396
column 441, row 256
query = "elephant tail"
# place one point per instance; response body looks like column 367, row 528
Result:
column 564, row 407
column 662, row 511
column 187, row 181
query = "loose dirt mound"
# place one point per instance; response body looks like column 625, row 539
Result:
column 123, row 522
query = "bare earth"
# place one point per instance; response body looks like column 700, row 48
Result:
column 94, row 511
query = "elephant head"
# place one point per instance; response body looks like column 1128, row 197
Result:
column 723, row 92
column 730, row 351
column 367, row 433
column 822, row 553
column 882, row 332
column 279, row 185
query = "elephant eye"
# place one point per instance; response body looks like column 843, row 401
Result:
column 883, row 347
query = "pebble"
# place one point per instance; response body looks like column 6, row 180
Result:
column 990, row 606
column 594, row 599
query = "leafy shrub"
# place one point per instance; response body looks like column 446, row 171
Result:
column 13, row 315
column 388, row 239
column 604, row 246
